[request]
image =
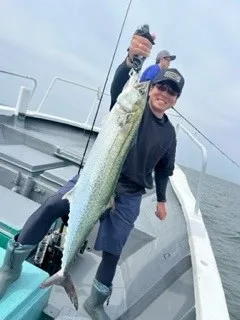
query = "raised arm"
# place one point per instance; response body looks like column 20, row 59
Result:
column 139, row 46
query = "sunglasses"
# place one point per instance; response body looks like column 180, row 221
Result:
column 165, row 87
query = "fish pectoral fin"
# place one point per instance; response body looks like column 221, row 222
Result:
column 111, row 204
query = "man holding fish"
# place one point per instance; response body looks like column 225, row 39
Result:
column 136, row 139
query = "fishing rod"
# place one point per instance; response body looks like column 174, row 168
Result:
column 105, row 83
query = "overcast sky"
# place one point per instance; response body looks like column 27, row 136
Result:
column 76, row 39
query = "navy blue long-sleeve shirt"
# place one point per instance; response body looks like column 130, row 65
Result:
column 153, row 149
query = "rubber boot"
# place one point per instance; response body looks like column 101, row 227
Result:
column 11, row 269
column 94, row 303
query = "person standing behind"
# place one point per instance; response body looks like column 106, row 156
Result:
column 163, row 61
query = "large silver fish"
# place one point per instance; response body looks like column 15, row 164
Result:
column 95, row 187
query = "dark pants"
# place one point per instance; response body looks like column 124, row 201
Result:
column 37, row 226
column 114, row 229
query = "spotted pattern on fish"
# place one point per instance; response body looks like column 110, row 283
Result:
column 98, row 179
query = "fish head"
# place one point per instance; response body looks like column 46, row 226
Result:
column 133, row 99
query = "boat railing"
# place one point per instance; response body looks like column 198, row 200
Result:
column 96, row 90
column 179, row 127
column 18, row 75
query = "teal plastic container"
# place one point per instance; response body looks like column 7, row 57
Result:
column 6, row 232
column 24, row 300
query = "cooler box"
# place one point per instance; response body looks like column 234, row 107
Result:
column 6, row 232
column 25, row 300
column 14, row 211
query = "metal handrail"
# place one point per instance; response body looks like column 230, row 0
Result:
column 98, row 91
column 22, row 76
column 204, row 164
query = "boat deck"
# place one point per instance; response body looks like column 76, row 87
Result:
column 154, row 278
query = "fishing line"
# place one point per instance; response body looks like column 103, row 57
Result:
column 212, row 143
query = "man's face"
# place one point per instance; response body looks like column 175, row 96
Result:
column 162, row 96
column 165, row 62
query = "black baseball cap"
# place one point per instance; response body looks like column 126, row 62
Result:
column 172, row 75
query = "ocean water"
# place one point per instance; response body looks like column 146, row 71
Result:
column 220, row 207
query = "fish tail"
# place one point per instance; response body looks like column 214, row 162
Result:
column 64, row 280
